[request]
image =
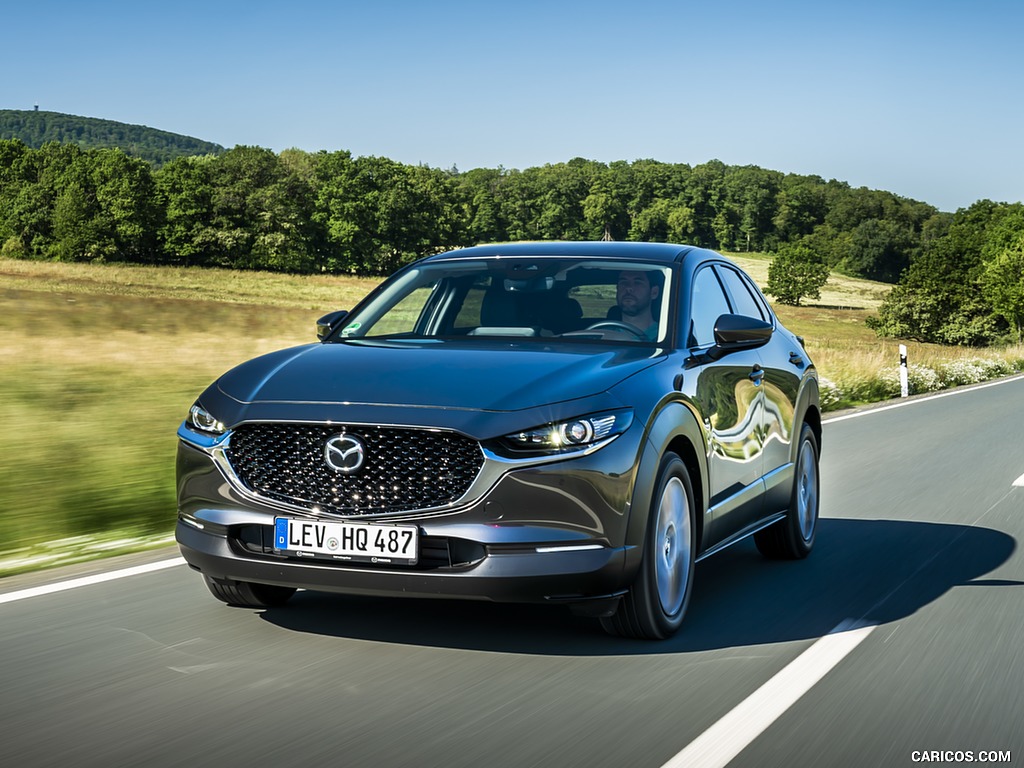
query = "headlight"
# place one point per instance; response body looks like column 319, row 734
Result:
column 202, row 420
column 569, row 435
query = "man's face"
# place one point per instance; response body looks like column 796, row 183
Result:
column 634, row 293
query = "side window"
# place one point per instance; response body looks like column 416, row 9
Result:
column 745, row 303
column 762, row 302
column 707, row 304
column 471, row 311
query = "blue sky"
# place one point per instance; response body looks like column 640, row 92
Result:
column 921, row 98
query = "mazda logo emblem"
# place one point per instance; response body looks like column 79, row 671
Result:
column 345, row 453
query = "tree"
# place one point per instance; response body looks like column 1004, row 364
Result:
column 185, row 195
column 654, row 191
column 796, row 272
column 343, row 209
column 849, row 207
column 415, row 214
column 802, row 204
column 561, row 190
column 651, row 223
column 878, row 249
column 604, row 209
column 940, row 297
column 753, row 194
column 74, row 223
column 479, row 193
column 24, row 204
column 1003, row 285
column 261, row 209
column 249, row 208
column 128, row 214
column 380, row 214
column 705, row 201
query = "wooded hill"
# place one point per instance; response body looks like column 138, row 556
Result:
column 35, row 128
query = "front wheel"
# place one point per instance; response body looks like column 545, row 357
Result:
column 793, row 537
column 247, row 594
column 654, row 607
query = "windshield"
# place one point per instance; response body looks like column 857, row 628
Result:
column 576, row 299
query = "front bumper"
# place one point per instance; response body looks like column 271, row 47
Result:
column 553, row 532
column 520, row 577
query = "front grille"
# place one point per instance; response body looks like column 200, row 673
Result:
column 403, row 469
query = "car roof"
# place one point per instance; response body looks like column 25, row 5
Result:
column 649, row 252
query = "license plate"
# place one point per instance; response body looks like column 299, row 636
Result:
column 360, row 542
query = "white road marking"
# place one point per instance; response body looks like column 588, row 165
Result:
column 85, row 581
column 1019, row 482
column 729, row 736
column 916, row 400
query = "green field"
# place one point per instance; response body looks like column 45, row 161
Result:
column 101, row 362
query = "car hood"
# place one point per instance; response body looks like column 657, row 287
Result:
column 480, row 376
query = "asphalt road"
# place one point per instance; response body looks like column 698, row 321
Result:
column 917, row 545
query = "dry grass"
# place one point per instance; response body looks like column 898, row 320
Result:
column 314, row 292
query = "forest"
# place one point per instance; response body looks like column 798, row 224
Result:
column 36, row 128
column 959, row 276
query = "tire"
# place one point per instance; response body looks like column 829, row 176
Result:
column 248, row 595
column 656, row 603
column 792, row 538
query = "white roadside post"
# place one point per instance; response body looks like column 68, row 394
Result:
column 904, row 380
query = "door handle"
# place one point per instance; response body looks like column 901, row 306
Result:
column 796, row 360
column 756, row 375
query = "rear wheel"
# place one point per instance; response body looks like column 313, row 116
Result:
column 247, row 594
column 654, row 607
column 793, row 537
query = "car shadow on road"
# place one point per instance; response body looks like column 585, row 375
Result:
column 875, row 570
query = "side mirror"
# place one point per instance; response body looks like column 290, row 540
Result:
column 329, row 322
column 736, row 332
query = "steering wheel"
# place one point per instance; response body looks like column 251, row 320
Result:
column 617, row 325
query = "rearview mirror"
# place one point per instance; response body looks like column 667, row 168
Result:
column 736, row 332
column 329, row 322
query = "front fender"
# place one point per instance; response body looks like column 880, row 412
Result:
column 676, row 428
column 808, row 408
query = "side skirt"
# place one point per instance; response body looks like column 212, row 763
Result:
column 749, row 531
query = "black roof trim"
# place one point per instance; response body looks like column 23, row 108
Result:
column 658, row 252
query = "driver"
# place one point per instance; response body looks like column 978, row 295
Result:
column 634, row 296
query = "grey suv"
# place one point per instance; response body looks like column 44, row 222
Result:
column 561, row 423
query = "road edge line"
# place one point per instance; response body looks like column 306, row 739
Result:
column 868, row 410
column 85, row 581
